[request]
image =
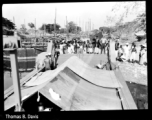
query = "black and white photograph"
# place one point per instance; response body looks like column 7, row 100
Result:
column 74, row 56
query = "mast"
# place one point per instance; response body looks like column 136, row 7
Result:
column 67, row 26
column 76, row 26
column 35, row 27
column 88, row 28
column 92, row 26
column 55, row 24
column 13, row 20
column 24, row 22
column 79, row 23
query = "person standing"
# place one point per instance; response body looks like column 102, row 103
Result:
column 143, row 57
column 126, row 50
column 48, row 62
column 72, row 48
column 81, row 48
column 103, row 43
column 87, row 47
column 137, row 54
column 120, row 53
column 75, row 47
column 133, row 53
column 84, row 47
column 116, row 47
column 61, row 48
column 94, row 43
column 96, row 49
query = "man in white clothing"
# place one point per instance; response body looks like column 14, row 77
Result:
column 103, row 43
column 126, row 50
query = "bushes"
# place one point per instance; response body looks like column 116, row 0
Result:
column 6, row 32
column 128, row 29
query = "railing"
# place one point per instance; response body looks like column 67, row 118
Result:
column 34, row 44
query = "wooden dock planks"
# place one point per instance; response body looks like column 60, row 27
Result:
column 88, row 96
column 127, row 99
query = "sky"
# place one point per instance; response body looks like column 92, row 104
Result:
column 79, row 12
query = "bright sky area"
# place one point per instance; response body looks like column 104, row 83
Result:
column 45, row 13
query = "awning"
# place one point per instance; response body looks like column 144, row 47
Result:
column 140, row 33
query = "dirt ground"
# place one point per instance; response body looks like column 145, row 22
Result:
column 135, row 76
column 134, row 72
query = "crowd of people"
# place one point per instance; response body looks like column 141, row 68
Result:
column 76, row 46
column 125, row 52
column 131, row 53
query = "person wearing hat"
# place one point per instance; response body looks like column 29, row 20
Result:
column 84, row 47
column 137, row 54
column 126, row 51
column 143, row 56
column 43, row 60
column 116, row 47
column 120, row 54
column 48, row 62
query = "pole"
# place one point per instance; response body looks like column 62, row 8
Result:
column 67, row 26
column 15, row 76
column 79, row 22
column 44, row 29
column 76, row 26
column 13, row 19
column 35, row 27
column 55, row 24
column 93, row 26
column 90, row 24
column 24, row 22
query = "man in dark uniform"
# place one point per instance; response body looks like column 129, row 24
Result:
column 94, row 40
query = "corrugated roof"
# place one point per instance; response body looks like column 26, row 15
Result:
column 102, row 78
column 77, row 91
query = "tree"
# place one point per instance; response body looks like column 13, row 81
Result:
column 78, row 29
column 123, row 10
column 23, row 29
column 126, row 9
column 106, row 30
column 8, row 26
column 31, row 25
column 50, row 27
column 141, row 18
column 73, row 28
